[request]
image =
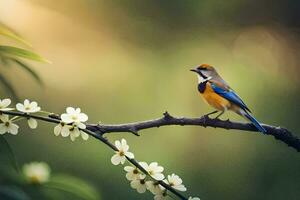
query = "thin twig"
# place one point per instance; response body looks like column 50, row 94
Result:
column 134, row 162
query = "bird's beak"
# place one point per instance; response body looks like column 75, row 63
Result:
column 194, row 70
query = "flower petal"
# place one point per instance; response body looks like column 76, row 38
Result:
column 66, row 118
column 116, row 159
column 57, row 129
column 33, row 104
column 125, row 147
column 4, row 118
column 159, row 169
column 82, row 117
column 73, row 137
column 181, row 188
column 194, row 198
column 141, row 189
column 80, row 125
column 65, row 131
column 123, row 142
column 3, row 129
column 129, row 168
column 26, row 102
column 158, row 176
column 36, row 109
column 75, row 132
column 13, row 129
column 84, row 135
column 144, row 165
column 130, row 176
column 32, row 123
column 20, row 107
column 135, row 184
column 129, row 155
column 118, row 144
column 5, row 103
column 123, row 159
column 70, row 110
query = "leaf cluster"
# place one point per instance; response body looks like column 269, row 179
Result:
column 16, row 56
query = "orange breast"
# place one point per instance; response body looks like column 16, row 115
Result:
column 214, row 99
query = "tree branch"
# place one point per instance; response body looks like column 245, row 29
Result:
column 53, row 118
column 281, row 134
column 97, row 131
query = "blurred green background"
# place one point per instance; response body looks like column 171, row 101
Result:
column 124, row 61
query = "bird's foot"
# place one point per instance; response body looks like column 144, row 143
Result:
column 208, row 114
column 219, row 115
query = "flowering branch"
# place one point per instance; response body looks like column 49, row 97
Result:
column 278, row 133
column 71, row 124
column 135, row 163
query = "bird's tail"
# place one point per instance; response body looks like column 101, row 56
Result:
column 248, row 116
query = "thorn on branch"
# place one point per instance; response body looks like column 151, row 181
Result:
column 205, row 118
column 134, row 131
column 167, row 116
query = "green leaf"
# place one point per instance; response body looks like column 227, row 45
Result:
column 74, row 186
column 7, row 156
column 29, row 70
column 12, row 193
column 13, row 52
column 7, row 32
column 9, row 88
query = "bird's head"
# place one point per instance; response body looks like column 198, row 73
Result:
column 205, row 71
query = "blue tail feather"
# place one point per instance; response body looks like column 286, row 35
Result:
column 254, row 122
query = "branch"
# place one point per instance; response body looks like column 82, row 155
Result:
column 135, row 163
column 281, row 134
column 52, row 118
column 97, row 131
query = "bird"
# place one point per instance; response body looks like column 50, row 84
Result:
column 218, row 94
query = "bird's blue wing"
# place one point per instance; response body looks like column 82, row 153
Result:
column 230, row 95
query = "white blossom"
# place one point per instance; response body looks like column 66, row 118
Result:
column 133, row 173
column 4, row 103
column 28, row 107
column 32, row 123
column 72, row 131
column 36, row 172
column 139, row 185
column 120, row 156
column 7, row 126
column 74, row 116
column 175, row 182
column 154, row 170
column 194, row 198
column 3, row 107
column 154, row 187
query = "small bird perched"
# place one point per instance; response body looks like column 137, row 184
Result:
column 217, row 93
